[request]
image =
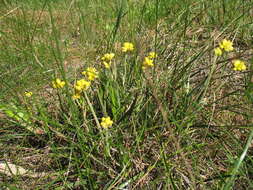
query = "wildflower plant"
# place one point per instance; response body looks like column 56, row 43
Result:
column 127, row 46
column 106, row 122
column 226, row 45
column 218, row 51
column 147, row 63
column 161, row 123
column 239, row 65
column 149, row 60
column 58, row 83
column 81, row 85
column 76, row 96
column 152, row 55
column 107, row 59
column 90, row 73
column 28, row 94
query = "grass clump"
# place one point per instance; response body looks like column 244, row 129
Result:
column 126, row 95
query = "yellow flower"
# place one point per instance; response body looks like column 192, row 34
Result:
column 147, row 63
column 107, row 65
column 76, row 96
column 106, row 122
column 57, row 83
column 82, row 85
column 217, row 51
column 152, row 55
column 239, row 65
column 108, row 57
column 91, row 73
column 28, row 94
column 227, row 45
column 127, row 46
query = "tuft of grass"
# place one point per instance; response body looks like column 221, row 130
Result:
column 184, row 123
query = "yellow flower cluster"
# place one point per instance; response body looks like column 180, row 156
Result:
column 28, row 94
column 58, row 83
column 127, row 46
column 106, row 122
column 79, row 86
column 148, row 61
column 91, row 73
column 76, row 96
column 152, row 55
column 107, row 59
column 225, row 45
column 217, row 51
column 239, row 65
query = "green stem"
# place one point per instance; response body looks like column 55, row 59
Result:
column 92, row 111
column 230, row 182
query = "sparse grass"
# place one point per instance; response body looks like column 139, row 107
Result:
column 185, row 123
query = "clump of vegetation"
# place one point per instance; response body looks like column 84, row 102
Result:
column 126, row 95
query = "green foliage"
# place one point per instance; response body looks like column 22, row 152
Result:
column 14, row 112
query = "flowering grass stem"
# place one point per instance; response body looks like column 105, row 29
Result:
column 92, row 111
